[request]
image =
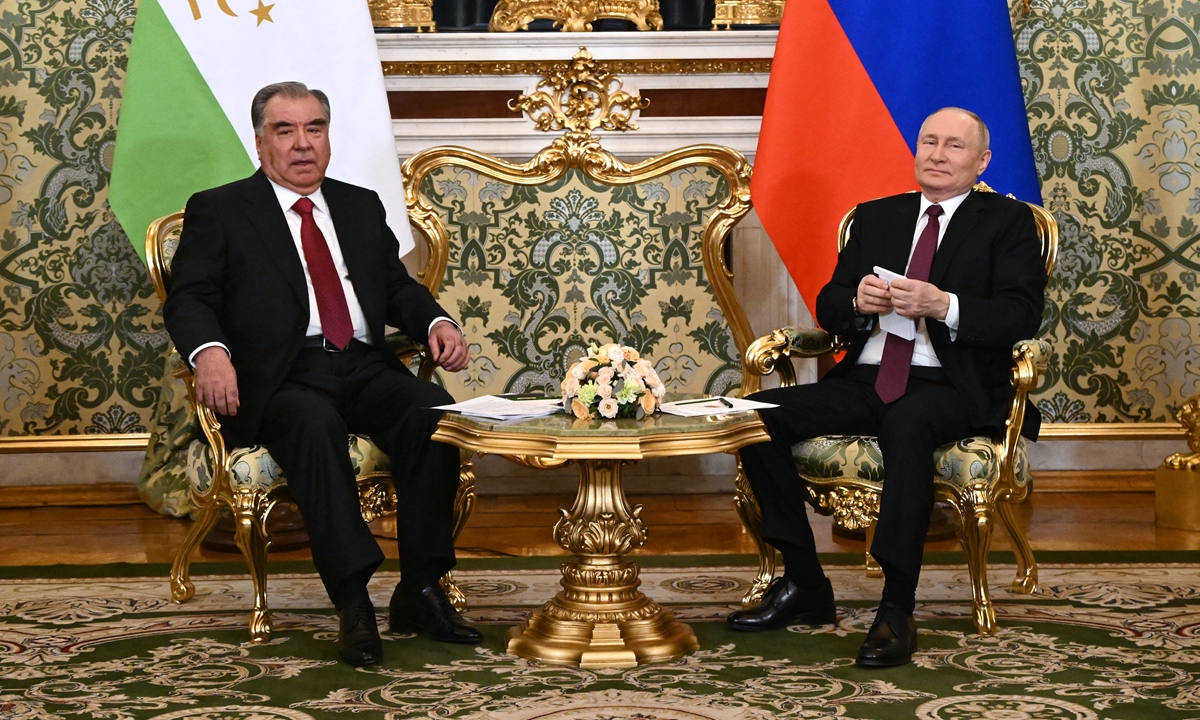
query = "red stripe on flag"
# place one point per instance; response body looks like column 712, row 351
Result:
column 827, row 143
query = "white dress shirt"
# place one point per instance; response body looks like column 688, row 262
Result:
column 923, row 353
column 287, row 198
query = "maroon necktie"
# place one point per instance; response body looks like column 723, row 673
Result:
column 331, row 299
column 892, row 380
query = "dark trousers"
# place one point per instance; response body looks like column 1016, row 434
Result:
column 325, row 398
column 930, row 414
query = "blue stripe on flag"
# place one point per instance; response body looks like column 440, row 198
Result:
column 926, row 54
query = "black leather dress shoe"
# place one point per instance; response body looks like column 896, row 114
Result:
column 358, row 636
column 892, row 639
column 785, row 603
column 429, row 611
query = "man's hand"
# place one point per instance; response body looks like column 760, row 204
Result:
column 447, row 346
column 873, row 296
column 216, row 381
column 916, row 299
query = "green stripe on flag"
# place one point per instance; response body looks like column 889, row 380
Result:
column 173, row 138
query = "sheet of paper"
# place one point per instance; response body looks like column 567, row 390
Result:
column 712, row 406
column 892, row 322
column 498, row 408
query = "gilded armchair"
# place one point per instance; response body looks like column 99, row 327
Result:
column 188, row 455
column 539, row 259
column 981, row 477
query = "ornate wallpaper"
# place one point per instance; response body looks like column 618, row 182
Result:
column 1114, row 106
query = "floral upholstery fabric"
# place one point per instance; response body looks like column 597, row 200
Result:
column 536, row 273
column 254, row 468
column 959, row 464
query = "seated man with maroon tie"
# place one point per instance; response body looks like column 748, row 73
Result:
column 281, row 288
column 973, row 283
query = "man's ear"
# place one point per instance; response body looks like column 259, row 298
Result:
column 258, row 146
column 984, row 159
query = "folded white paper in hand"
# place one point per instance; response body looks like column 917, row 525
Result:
column 891, row 321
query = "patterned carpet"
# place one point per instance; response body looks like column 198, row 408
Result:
column 1118, row 640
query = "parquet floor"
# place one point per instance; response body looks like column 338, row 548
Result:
column 520, row 525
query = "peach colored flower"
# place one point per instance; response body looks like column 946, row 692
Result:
column 643, row 367
column 647, row 402
column 605, row 374
column 632, row 355
column 608, row 407
column 581, row 411
column 570, row 386
column 581, row 369
column 604, row 389
column 658, row 390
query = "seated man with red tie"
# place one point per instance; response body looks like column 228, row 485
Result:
column 973, row 282
column 281, row 288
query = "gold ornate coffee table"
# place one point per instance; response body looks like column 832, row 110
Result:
column 600, row 618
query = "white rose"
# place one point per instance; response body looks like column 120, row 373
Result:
column 659, row 390
column 605, row 374
column 570, row 386
column 604, row 389
column 616, row 354
column 608, row 407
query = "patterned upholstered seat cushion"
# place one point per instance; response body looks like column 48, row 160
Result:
column 826, row 458
column 253, row 467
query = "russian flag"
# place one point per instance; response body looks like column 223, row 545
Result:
column 851, row 82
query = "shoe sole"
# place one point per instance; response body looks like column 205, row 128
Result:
column 807, row 619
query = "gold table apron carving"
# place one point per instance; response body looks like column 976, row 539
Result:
column 600, row 618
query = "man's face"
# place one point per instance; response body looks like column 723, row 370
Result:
column 294, row 146
column 950, row 157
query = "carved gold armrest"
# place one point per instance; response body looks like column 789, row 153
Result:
column 763, row 355
column 1029, row 361
column 211, row 427
column 408, row 350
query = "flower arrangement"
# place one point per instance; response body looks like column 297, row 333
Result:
column 612, row 381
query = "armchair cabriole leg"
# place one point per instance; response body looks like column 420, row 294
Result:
column 976, row 541
column 251, row 535
column 464, row 505
column 747, row 509
column 182, row 588
column 874, row 569
column 1026, row 581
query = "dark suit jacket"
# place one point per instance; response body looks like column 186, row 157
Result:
column 989, row 257
column 237, row 279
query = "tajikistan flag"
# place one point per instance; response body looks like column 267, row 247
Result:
column 194, row 67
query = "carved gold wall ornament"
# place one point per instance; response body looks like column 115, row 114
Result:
column 747, row 12
column 1188, row 416
column 403, row 13
column 574, row 15
column 580, row 96
column 539, row 67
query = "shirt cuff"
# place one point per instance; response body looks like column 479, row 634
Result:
column 206, row 345
column 442, row 318
column 952, row 317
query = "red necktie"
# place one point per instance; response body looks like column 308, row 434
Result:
column 892, row 380
column 331, row 299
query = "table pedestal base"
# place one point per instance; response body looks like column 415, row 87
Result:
column 600, row 618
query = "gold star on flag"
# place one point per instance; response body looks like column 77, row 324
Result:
column 262, row 12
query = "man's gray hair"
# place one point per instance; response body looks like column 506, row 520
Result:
column 290, row 89
column 985, row 137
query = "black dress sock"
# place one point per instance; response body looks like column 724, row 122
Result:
column 898, row 588
column 802, row 566
column 352, row 591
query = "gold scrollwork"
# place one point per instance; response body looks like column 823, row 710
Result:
column 747, row 12
column 403, row 13
column 852, row 508
column 541, row 67
column 579, row 97
column 574, row 15
column 1188, row 415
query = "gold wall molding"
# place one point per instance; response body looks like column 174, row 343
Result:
column 541, row 67
column 747, row 12
column 574, row 15
column 403, row 13
column 1112, row 431
column 73, row 443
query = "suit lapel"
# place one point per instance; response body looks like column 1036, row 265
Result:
column 964, row 221
column 898, row 247
column 347, row 224
column 267, row 217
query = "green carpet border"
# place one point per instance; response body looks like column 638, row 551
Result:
column 236, row 567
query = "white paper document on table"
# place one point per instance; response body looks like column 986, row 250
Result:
column 499, row 408
column 892, row 322
column 712, row 406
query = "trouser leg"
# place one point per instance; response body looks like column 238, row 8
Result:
column 394, row 408
column 307, row 437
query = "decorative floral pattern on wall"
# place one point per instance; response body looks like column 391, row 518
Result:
column 81, row 340
column 1115, row 115
column 1113, row 91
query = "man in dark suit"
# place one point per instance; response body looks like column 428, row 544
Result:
column 974, row 284
column 280, row 292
